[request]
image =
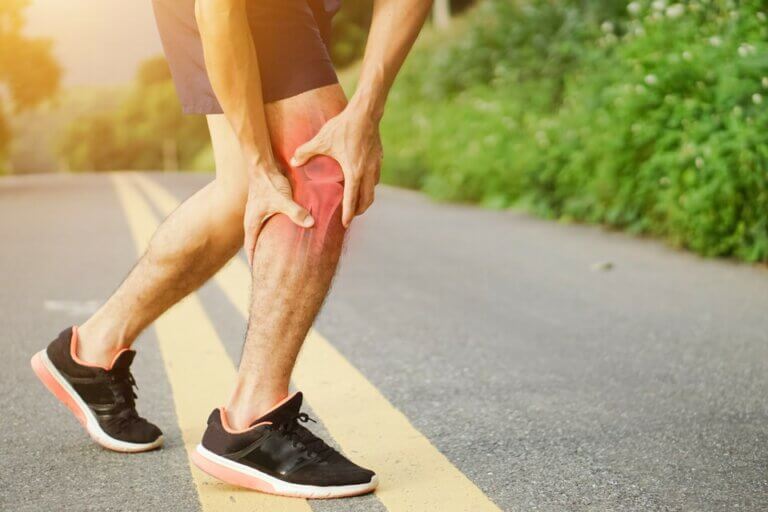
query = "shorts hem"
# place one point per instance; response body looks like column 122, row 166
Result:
column 289, row 87
column 202, row 108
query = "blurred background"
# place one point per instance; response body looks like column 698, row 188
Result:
column 550, row 362
column 647, row 116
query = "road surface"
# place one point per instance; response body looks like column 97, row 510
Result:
column 482, row 360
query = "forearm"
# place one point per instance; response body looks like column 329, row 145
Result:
column 394, row 27
column 233, row 69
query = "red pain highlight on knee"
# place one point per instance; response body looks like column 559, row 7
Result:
column 318, row 187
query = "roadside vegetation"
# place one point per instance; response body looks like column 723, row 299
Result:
column 145, row 130
column 645, row 116
column 28, row 72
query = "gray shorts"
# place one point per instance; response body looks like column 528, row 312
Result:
column 291, row 39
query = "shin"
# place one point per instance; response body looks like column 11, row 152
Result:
column 292, row 267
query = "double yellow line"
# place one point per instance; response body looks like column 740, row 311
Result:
column 414, row 475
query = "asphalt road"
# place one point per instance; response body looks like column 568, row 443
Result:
column 557, row 367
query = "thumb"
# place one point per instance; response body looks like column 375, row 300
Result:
column 249, row 243
column 298, row 215
column 304, row 152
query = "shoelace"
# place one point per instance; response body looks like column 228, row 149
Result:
column 301, row 436
column 122, row 385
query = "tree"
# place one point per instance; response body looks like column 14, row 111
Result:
column 27, row 67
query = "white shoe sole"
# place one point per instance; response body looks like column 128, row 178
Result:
column 61, row 389
column 243, row 476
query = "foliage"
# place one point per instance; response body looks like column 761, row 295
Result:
column 27, row 67
column 648, row 117
column 350, row 29
column 140, row 132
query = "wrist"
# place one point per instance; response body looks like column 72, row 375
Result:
column 368, row 101
column 259, row 165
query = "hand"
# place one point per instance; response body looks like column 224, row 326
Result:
column 269, row 193
column 352, row 139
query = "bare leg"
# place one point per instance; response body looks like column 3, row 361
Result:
column 188, row 248
column 293, row 267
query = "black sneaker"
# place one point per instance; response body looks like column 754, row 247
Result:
column 277, row 455
column 102, row 399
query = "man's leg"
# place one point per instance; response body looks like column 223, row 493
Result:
column 292, row 266
column 258, row 440
column 89, row 373
column 188, row 248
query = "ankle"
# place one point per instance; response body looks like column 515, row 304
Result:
column 96, row 348
column 248, row 403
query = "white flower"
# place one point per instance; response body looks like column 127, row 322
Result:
column 746, row 49
column 761, row 16
column 687, row 55
column 757, row 98
column 607, row 27
column 715, row 41
column 675, row 10
column 765, row 82
column 651, row 79
column 633, row 8
column 699, row 162
column 659, row 5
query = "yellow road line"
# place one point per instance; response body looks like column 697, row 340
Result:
column 200, row 372
column 414, row 475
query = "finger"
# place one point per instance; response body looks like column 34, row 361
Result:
column 298, row 215
column 349, row 201
column 251, row 236
column 304, row 152
column 366, row 196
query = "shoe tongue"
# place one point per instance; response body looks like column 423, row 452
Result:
column 123, row 359
column 283, row 411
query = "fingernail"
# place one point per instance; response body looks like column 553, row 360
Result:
column 309, row 222
column 294, row 162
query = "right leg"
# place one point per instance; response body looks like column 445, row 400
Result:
column 195, row 241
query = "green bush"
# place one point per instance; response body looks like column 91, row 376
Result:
column 648, row 117
column 147, row 126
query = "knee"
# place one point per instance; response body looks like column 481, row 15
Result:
column 318, row 186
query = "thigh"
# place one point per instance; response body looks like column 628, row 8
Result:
column 231, row 170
